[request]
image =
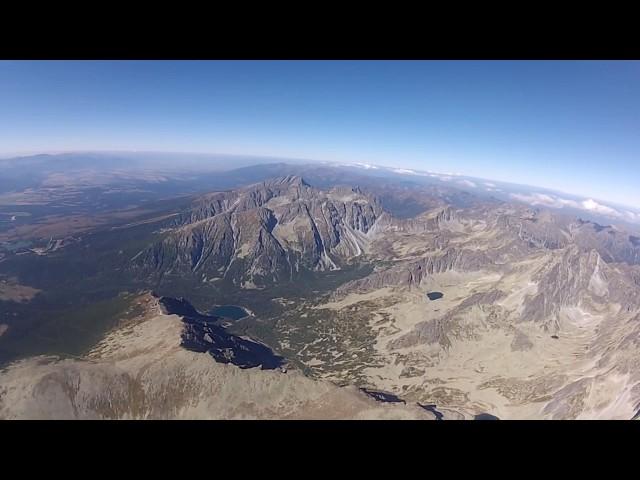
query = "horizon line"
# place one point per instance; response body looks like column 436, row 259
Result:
column 31, row 153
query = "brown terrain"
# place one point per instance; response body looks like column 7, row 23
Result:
column 493, row 308
column 142, row 371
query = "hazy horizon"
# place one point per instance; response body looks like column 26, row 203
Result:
column 279, row 159
column 568, row 126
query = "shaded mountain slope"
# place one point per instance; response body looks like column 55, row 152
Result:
column 141, row 371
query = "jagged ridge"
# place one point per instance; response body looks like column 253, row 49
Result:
column 265, row 233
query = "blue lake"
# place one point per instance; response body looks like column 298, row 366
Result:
column 229, row 311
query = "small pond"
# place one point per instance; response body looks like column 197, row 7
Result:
column 229, row 311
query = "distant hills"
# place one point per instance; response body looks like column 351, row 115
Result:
column 229, row 171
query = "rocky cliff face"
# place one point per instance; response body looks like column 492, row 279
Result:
column 544, row 229
column 412, row 274
column 264, row 233
column 270, row 232
column 613, row 245
column 567, row 280
column 431, row 221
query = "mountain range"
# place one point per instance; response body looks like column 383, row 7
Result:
column 427, row 293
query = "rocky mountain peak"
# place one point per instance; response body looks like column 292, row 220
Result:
column 287, row 180
column 266, row 232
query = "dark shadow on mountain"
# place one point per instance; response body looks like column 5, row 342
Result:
column 202, row 334
column 383, row 396
column 432, row 408
column 485, row 416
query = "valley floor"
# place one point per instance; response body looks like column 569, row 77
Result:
column 141, row 371
column 480, row 359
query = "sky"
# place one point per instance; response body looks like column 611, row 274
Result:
column 572, row 126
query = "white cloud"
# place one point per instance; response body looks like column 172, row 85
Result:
column 546, row 200
column 404, row 170
column 589, row 205
column 467, row 183
column 594, row 206
column 423, row 174
column 366, row 165
column 490, row 185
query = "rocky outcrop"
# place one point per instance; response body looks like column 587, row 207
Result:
column 569, row 279
column 612, row 244
column 439, row 329
column 424, row 333
column 544, row 229
column 428, row 222
column 537, row 228
column 264, row 233
column 521, row 343
column 411, row 274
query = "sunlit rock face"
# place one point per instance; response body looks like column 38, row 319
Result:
column 265, row 233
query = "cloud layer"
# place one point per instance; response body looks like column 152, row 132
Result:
column 589, row 205
column 534, row 198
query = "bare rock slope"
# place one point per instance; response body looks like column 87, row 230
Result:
column 264, row 233
column 143, row 371
column 536, row 316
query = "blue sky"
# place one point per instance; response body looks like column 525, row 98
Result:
column 572, row 126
